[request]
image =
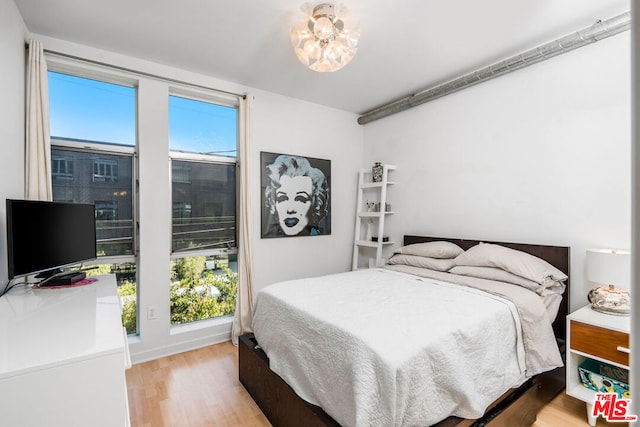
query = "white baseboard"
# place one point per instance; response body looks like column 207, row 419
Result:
column 188, row 344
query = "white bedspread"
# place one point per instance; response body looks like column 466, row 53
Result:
column 382, row 348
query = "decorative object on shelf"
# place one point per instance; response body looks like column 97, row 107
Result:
column 605, row 378
column 370, row 205
column 368, row 233
column 376, row 172
column 326, row 39
column 384, row 238
column 387, row 207
column 295, row 195
column 610, row 269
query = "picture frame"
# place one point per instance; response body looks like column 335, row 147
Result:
column 295, row 195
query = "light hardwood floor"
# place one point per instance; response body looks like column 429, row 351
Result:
column 200, row 388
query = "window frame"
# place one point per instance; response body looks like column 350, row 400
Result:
column 218, row 99
column 207, row 159
column 77, row 67
column 110, row 73
column 82, row 69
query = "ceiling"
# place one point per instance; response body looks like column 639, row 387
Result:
column 406, row 45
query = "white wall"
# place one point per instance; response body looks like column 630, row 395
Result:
column 541, row 155
column 12, row 108
column 280, row 124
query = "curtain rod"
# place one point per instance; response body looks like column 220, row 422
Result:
column 141, row 73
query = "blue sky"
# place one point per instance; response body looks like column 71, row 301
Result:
column 97, row 111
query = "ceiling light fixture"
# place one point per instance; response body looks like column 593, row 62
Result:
column 325, row 40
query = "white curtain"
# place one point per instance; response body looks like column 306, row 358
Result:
column 38, row 140
column 244, row 301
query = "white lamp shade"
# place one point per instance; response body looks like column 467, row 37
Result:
column 609, row 267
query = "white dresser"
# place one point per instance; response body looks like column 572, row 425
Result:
column 63, row 355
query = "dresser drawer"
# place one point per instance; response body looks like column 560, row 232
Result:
column 600, row 342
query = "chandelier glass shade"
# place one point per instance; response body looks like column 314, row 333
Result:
column 325, row 40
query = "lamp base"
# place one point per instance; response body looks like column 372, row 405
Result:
column 610, row 311
column 610, row 300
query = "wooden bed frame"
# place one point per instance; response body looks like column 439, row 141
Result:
column 517, row 407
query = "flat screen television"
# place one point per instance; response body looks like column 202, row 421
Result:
column 43, row 237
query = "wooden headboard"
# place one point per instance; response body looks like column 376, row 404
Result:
column 558, row 256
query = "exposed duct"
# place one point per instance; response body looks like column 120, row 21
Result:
column 598, row 31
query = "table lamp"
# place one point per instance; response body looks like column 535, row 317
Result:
column 610, row 271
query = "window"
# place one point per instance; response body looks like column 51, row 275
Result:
column 203, row 144
column 105, row 170
column 93, row 140
column 201, row 127
column 90, row 110
column 61, row 167
column 195, row 224
column 181, row 211
column 113, row 200
column 180, row 174
column 106, row 210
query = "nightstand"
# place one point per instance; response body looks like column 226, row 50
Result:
column 598, row 336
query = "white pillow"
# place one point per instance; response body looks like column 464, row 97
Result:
column 437, row 264
column 439, row 249
column 493, row 273
column 517, row 262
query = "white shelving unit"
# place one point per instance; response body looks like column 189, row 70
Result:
column 598, row 336
column 375, row 192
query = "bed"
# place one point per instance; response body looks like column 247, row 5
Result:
column 364, row 368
